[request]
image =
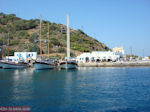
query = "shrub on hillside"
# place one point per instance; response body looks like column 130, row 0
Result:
column 14, row 42
column 55, row 42
column 61, row 50
column 32, row 37
column 11, row 52
column 23, row 34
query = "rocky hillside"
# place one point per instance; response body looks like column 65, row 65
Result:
column 22, row 34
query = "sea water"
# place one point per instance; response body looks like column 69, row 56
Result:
column 125, row 89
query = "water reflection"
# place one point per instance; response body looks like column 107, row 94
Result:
column 22, row 81
column 83, row 89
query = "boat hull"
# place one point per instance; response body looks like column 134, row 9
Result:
column 12, row 65
column 39, row 66
column 1, row 65
column 68, row 65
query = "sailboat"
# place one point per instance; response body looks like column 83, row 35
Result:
column 13, row 65
column 6, row 64
column 68, row 63
column 2, row 55
column 39, row 64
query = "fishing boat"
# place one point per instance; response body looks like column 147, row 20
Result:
column 13, row 65
column 41, row 63
column 68, row 63
column 1, row 64
column 6, row 64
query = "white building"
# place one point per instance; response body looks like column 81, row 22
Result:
column 23, row 56
column 118, row 51
column 98, row 56
column 145, row 59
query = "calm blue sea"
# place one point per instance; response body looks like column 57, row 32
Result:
column 82, row 90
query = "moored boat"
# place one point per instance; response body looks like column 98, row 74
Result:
column 1, row 64
column 13, row 65
column 44, row 64
column 68, row 63
column 6, row 64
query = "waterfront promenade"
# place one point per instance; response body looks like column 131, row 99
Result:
column 114, row 64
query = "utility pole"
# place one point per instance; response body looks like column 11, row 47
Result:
column 131, row 51
column 143, row 53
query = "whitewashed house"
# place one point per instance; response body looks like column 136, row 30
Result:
column 145, row 59
column 98, row 56
column 23, row 56
column 118, row 51
column 101, row 56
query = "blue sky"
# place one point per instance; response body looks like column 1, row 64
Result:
column 114, row 22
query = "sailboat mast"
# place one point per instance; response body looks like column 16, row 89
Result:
column 40, row 37
column 68, row 38
column 48, row 40
column 8, row 48
column 3, row 50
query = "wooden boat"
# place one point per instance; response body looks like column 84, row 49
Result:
column 13, row 65
column 43, row 64
column 68, row 63
column 6, row 64
column 1, row 65
column 2, row 60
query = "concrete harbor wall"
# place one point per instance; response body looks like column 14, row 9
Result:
column 114, row 64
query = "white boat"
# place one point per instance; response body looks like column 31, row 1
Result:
column 68, row 63
column 43, row 65
column 6, row 64
column 13, row 65
column 1, row 65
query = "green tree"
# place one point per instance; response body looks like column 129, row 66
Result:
column 72, row 54
column 14, row 42
column 61, row 50
column 32, row 37
column 3, row 21
column 11, row 52
column 23, row 34
column 3, row 29
column 54, row 41
column 1, row 41
column 20, row 25
column 80, row 31
column 31, row 24
column 11, row 17
column 133, row 56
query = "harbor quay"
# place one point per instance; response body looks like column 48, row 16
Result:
column 115, row 64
